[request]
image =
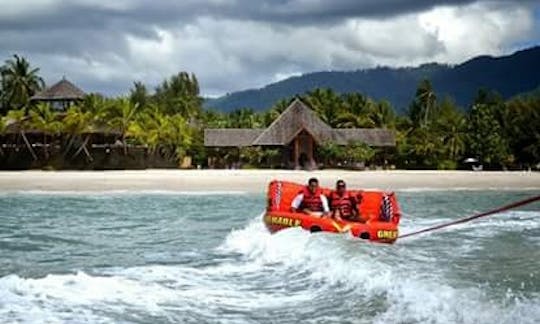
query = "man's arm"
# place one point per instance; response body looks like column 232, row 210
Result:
column 326, row 209
column 354, row 204
column 296, row 202
column 355, row 211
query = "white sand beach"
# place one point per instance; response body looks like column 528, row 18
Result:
column 257, row 180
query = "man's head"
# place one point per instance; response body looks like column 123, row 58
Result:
column 313, row 184
column 340, row 186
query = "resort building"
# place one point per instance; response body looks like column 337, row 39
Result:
column 61, row 95
column 297, row 132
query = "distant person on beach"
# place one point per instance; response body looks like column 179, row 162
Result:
column 344, row 205
column 311, row 200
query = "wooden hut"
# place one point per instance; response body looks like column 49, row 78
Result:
column 297, row 131
column 61, row 95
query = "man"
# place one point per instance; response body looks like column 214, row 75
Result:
column 310, row 200
column 344, row 205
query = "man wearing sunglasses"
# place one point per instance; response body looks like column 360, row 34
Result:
column 344, row 205
column 311, row 200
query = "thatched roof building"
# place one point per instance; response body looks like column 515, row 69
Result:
column 299, row 129
column 61, row 95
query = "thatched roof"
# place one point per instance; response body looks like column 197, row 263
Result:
column 62, row 90
column 370, row 136
column 296, row 118
column 230, row 136
column 291, row 122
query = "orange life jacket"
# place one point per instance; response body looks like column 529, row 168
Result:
column 342, row 203
column 312, row 201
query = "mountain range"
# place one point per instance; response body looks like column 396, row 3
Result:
column 508, row 75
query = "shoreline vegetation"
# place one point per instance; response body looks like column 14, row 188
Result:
column 164, row 128
column 256, row 181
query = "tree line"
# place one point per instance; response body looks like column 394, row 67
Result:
column 169, row 121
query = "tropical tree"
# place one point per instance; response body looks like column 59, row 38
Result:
column 359, row 152
column 3, row 104
column 331, row 154
column 78, row 126
column 18, row 118
column 451, row 127
column 214, row 119
column 177, row 134
column 139, row 94
column 148, row 128
column 171, row 135
column 120, row 117
column 382, row 115
column 422, row 109
column 423, row 149
column 327, row 104
column 19, row 82
column 45, row 120
column 180, row 95
column 484, row 134
column 520, row 122
column 355, row 112
column 3, row 127
column 244, row 118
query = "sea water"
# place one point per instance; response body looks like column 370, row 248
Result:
column 177, row 257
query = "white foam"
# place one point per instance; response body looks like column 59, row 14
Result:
column 413, row 297
column 321, row 261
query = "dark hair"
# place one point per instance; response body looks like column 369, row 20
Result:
column 340, row 183
column 313, row 180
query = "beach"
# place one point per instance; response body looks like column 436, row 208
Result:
column 257, row 180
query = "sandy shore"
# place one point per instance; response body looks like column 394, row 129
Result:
column 256, row 180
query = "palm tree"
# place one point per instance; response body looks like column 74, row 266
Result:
column 178, row 135
column 382, row 115
column 327, row 104
column 355, row 112
column 121, row 116
column 244, row 118
column 76, row 124
column 147, row 128
column 451, row 127
column 139, row 94
column 423, row 107
column 18, row 117
column 214, row 119
column 3, row 105
column 424, row 147
column 180, row 94
column 19, row 81
column 3, row 127
column 44, row 119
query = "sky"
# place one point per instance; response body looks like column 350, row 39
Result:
column 105, row 45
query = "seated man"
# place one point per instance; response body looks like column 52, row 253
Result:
column 310, row 200
column 344, row 205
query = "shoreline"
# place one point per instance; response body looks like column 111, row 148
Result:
column 257, row 180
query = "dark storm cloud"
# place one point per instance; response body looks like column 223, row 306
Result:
column 105, row 45
column 137, row 14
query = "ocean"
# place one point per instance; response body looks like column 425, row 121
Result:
column 203, row 257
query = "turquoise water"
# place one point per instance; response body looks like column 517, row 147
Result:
column 170, row 257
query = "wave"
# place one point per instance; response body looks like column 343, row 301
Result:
column 409, row 294
column 289, row 276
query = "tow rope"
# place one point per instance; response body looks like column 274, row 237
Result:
column 470, row 218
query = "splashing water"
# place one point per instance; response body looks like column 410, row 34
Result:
column 155, row 257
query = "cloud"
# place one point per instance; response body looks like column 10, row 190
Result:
column 230, row 45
